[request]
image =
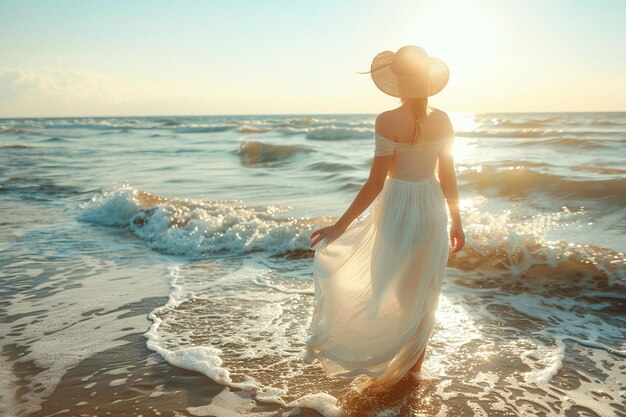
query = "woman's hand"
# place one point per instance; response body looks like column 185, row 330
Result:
column 330, row 232
column 457, row 237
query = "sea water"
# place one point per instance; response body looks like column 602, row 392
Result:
column 215, row 213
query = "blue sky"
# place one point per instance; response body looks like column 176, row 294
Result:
column 83, row 58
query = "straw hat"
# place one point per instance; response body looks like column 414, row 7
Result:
column 409, row 73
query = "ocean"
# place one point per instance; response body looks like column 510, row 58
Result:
column 161, row 265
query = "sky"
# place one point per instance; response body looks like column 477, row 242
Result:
column 119, row 58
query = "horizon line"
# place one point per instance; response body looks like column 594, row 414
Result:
column 295, row 114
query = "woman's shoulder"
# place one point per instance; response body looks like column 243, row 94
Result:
column 441, row 119
column 385, row 117
column 387, row 121
column 393, row 114
column 384, row 125
column 439, row 113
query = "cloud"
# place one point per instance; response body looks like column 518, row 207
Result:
column 19, row 84
column 50, row 92
column 56, row 91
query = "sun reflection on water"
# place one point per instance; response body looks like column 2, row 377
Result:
column 463, row 122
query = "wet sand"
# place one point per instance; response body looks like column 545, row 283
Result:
column 131, row 380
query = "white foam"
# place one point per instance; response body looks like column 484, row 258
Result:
column 499, row 241
column 263, row 280
column 542, row 350
column 208, row 359
column 230, row 404
column 195, row 227
column 323, row 403
column 118, row 371
column 252, row 129
column 247, row 311
column 8, row 382
column 293, row 412
column 543, row 361
column 200, row 227
column 118, row 382
column 389, row 412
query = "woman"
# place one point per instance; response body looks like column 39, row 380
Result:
column 377, row 281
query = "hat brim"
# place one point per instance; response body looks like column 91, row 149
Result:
column 406, row 87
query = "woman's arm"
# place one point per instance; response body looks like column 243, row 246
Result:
column 447, row 178
column 368, row 192
column 364, row 198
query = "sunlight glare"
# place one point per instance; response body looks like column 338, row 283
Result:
column 462, row 33
column 463, row 122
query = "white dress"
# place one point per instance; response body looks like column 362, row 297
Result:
column 377, row 285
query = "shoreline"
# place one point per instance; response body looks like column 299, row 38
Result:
column 133, row 380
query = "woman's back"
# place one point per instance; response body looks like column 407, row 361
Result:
column 399, row 125
column 415, row 145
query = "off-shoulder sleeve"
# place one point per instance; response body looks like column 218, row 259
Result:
column 383, row 146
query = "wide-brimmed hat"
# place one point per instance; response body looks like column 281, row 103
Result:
column 409, row 73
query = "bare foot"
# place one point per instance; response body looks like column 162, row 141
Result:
column 418, row 365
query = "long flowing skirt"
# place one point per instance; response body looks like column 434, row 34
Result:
column 377, row 285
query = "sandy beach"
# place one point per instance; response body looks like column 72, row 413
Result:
column 131, row 380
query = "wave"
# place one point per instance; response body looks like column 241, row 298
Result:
column 567, row 143
column 494, row 243
column 539, row 133
column 91, row 125
column 335, row 133
column 197, row 227
column 38, row 189
column 250, row 129
column 600, row 169
column 299, row 121
column 523, row 182
column 214, row 228
column 54, row 139
column 254, row 152
column 528, row 124
column 177, row 126
column 290, row 131
column 603, row 122
column 14, row 130
column 508, row 134
column 329, row 167
column 204, row 129
column 549, row 121
column 258, row 346
column 170, row 122
column 14, row 146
